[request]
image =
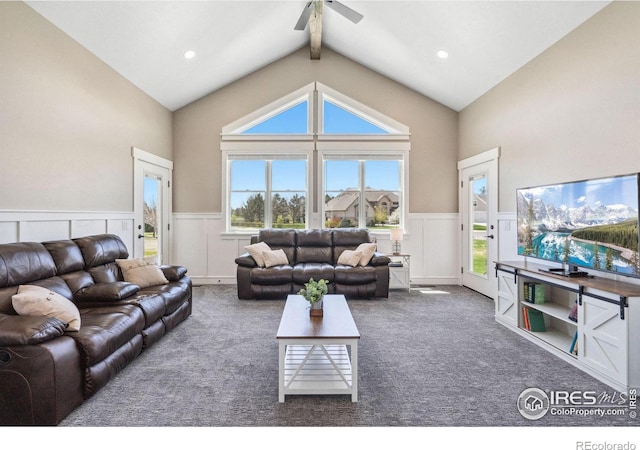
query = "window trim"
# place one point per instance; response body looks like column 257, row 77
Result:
column 234, row 130
column 365, row 153
column 315, row 145
column 250, row 152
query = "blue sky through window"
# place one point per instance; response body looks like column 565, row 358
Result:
column 289, row 121
column 340, row 121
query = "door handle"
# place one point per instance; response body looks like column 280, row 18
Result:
column 490, row 236
column 140, row 236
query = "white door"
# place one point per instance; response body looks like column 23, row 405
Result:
column 152, row 206
column 478, row 178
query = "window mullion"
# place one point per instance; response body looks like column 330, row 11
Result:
column 362, row 213
column 268, row 201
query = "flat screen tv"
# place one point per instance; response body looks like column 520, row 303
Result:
column 591, row 224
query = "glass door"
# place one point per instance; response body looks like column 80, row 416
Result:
column 152, row 215
column 478, row 212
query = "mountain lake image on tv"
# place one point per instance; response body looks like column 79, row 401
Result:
column 591, row 224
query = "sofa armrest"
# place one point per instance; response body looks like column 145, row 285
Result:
column 379, row 259
column 173, row 273
column 246, row 260
column 28, row 330
column 106, row 292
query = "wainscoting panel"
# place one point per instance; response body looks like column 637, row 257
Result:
column 41, row 226
column 191, row 243
column 507, row 237
column 434, row 245
column 202, row 245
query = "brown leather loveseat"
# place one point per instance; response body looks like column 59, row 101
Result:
column 316, row 254
column 49, row 364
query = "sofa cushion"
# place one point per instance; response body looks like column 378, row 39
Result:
column 314, row 246
column 317, row 271
column 106, row 273
column 350, row 258
column 101, row 249
column 275, row 258
column 39, row 301
column 29, row 330
column 174, row 295
column 173, row 273
column 256, row 251
column 355, row 275
column 24, row 262
column 280, row 239
column 66, row 254
column 272, row 276
column 348, row 239
column 107, row 292
column 141, row 271
column 105, row 329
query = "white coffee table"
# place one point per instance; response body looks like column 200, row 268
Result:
column 313, row 354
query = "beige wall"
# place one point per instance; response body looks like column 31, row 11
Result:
column 197, row 127
column 571, row 113
column 68, row 121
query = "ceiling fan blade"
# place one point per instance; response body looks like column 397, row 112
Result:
column 304, row 17
column 344, row 10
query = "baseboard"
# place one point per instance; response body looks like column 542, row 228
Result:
column 213, row 280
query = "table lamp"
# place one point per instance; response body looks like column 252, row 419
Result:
column 396, row 237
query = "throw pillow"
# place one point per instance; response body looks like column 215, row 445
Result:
column 350, row 258
column 367, row 252
column 275, row 258
column 38, row 301
column 141, row 271
column 255, row 250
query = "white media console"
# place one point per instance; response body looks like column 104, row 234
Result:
column 604, row 341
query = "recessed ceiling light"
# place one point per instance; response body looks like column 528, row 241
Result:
column 442, row 54
column 189, row 54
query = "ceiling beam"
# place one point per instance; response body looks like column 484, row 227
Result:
column 315, row 30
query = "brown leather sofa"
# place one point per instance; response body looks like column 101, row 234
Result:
column 46, row 370
column 312, row 254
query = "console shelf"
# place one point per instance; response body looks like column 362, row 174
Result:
column 608, row 311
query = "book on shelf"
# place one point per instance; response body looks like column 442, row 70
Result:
column 573, row 349
column 525, row 317
column 535, row 319
column 534, row 292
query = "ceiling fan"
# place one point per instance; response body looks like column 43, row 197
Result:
column 338, row 7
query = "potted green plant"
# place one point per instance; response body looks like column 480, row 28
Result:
column 313, row 292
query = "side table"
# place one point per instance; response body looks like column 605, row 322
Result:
column 399, row 271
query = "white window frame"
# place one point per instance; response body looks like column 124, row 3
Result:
column 395, row 130
column 234, row 131
column 240, row 151
column 366, row 152
column 316, row 145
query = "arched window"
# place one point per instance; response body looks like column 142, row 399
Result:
column 315, row 159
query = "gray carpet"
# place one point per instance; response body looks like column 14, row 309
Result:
column 436, row 359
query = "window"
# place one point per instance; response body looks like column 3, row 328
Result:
column 362, row 193
column 314, row 136
column 338, row 120
column 291, row 120
column 267, row 193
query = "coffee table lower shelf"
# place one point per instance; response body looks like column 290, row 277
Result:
column 318, row 369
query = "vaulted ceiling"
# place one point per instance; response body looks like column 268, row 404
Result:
column 145, row 41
